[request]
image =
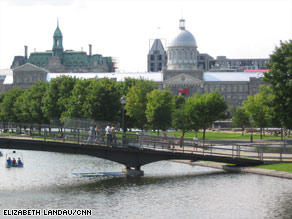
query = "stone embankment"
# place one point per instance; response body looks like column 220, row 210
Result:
column 234, row 169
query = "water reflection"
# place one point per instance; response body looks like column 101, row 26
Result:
column 168, row 190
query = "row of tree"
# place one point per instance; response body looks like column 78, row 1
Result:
column 148, row 107
column 99, row 100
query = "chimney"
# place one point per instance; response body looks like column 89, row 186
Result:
column 25, row 52
column 90, row 50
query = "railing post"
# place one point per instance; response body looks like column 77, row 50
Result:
column 238, row 150
column 281, row 151
column 232, row 150
column 78, row 132
column 45, row 134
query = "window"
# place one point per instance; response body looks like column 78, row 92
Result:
column 159, row 57
column 152, row 57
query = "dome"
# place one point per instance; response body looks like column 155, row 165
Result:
column 184, row 38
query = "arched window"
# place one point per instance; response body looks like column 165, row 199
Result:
column 179, row 55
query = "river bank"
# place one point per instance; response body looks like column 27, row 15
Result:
column 234, row 169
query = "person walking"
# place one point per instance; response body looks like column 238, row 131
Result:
column 108, row 133
column 181, row 139
column 196, row 142
column 113, row 135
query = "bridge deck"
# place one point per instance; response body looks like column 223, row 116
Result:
column 137, row 150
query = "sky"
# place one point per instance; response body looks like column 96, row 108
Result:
column 124, row 29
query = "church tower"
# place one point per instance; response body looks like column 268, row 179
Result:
column 58, row 43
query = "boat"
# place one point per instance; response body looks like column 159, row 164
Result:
column 14, row 160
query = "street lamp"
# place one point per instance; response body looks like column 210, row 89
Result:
column 123, row 102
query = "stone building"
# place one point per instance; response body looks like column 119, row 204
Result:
column 60, row 60
column 183, row 75
column 184, row 47
column 181, row 72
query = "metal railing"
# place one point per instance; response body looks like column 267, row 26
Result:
column 83, row 136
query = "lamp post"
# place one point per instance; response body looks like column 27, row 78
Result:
column 123, row 102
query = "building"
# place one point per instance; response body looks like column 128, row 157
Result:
column 157, row 57
column 185, row 72
column 188, row 47
column 181, row 69
column 60, row 60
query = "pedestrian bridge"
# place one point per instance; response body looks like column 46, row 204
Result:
column 134, row 151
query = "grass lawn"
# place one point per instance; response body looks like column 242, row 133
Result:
column 219, row 135
column 285, row 167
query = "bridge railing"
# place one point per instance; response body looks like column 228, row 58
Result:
column 261, row 151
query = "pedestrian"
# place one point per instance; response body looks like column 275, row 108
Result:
column 97, row 133
column 89, row 139
column 174, row 141
column 181, row 139
column 108, row 133
column 196, row 142
column 113, row 135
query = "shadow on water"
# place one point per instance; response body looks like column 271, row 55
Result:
column 113, row 185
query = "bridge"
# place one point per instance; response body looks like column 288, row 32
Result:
column 134, row 151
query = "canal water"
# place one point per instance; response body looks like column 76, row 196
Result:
column 168, row 190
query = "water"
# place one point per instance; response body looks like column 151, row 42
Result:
column 168, row 190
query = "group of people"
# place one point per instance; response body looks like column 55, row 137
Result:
column 96, row 134
column 110, row 134
column 14, row 162
column 181, row 141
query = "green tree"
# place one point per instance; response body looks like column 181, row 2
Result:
column 8, row 105
column 33, row 103
column 159, row 109
column 102, row 101
column 259, row 108
column 124, row 86
column 280, row 79
column 137, row 101
column 57, row 96
column 75, row 107
column 180, row 119
column 204, row 109
column 240, row 118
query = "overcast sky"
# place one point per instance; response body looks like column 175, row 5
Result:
column 123, row 28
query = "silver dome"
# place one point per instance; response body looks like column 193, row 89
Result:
column 184, row 37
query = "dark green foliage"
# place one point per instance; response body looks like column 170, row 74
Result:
column 180, row 118
column 240, row 118
column 137, row 102
column 159, row 109
column 57, row 96
column 102, row 101
column 204, row 109
column 280, row 79
column 8, row 108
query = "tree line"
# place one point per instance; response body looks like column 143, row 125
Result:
column 148, row 107
column 93, row 99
